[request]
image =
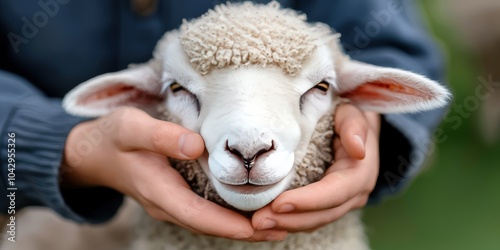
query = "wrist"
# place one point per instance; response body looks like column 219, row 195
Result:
column 77, row 166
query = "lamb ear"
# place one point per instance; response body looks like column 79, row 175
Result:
column 388, row 90
column 138, row 86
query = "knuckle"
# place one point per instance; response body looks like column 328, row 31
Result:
column 125, row 122
column 188, row 216
column 340, row 194
column 122, row 133
column 123, row 113
column 342, row 197
column 145, row 194
column 191, row 212
column 200, row 204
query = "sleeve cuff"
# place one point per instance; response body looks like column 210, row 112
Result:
column 405, row 138
column 402, row 153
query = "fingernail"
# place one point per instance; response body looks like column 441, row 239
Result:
column 286, row 208
column 360, row 141
column 267, row 224
column 187, row 144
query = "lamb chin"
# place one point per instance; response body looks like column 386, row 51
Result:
column 251, row 197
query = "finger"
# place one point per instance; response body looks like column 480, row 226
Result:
column 203, row 215
column 159, row 214
column 343, row 180
column 195, row 212
column 339, row 151
column 332, row 190
column 164, row 184
column 352, row 127
column 165, row 188
column 235, row 227
column 264, row 235
column 300, row 222
column 374, row 119
column 138, row 130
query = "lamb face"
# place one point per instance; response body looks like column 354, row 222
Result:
column 256, row 122
column 255, row 113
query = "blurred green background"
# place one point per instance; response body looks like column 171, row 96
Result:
column 455, row 201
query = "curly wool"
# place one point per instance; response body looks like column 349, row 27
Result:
column 235, row 35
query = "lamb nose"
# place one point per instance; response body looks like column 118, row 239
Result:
column 249, row 161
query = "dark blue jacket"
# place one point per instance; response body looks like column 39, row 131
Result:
column 47, row 47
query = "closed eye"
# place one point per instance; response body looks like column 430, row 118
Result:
column 175, row 87
column 320, row 89
column 323, row 86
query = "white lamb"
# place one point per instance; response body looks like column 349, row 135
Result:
column 260, row 84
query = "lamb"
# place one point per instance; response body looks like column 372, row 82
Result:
column 260, row 84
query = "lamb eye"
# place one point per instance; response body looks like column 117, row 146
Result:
column 175, row 87
column 323, row 86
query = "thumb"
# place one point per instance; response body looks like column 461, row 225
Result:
column 352, row 128
column 141, row 131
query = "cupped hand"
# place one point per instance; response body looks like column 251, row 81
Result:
column 345, row 186
column 126, row 150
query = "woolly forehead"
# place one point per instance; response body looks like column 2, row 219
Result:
column 175, row 67
column 248, row 34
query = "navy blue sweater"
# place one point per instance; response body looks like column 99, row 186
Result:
column 47, row 47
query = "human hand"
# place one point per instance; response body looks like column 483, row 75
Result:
column 128, row 153
column 345, row 186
